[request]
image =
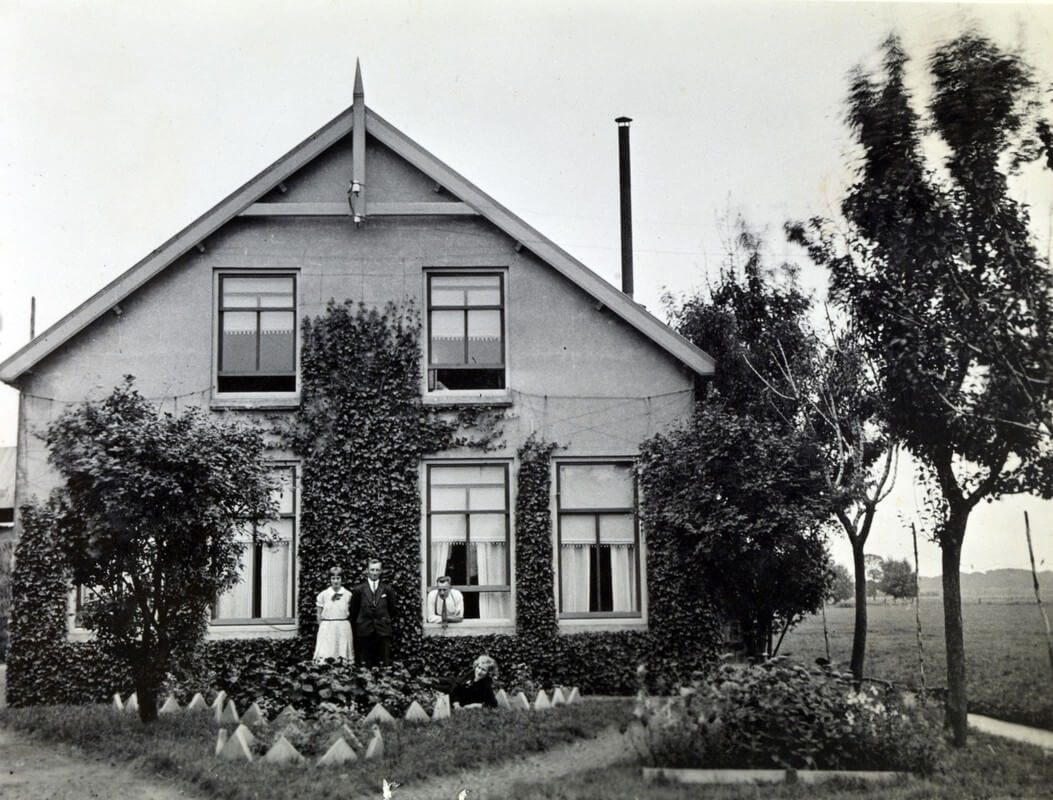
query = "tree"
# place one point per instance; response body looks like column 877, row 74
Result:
column 746, row 506
column 841, row 401
column 841, row 587
column 898, row 579
column 146, row 517
column 939, row 271
column 740, row 483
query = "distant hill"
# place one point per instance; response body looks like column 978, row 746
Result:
column 994, row 584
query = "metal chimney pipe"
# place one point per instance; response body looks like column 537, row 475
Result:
column 625, row 188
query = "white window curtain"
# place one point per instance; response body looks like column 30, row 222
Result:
column 576, row 576
column 237, row 602
column 490, row 557
column 578, row 537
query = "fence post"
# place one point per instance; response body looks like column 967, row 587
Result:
column 1038, row 597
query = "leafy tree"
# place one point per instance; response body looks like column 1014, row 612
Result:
column 146, row 517
column 741, row 482
column 841, row 402
column 746, row 506
column 841, row 587
column 898, row 579
column 940, row 273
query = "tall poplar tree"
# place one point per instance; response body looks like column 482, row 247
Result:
column 943, row 279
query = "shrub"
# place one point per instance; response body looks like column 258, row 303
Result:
column 782, row 715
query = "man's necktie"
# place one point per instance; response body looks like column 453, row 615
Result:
column 445, row 616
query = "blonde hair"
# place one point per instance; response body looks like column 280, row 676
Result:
column 488, row 664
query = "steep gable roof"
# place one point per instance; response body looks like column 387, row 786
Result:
column 240, row 200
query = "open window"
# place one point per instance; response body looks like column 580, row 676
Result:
column 466, row 331
column 468, row 535
column 598, row 540
column 257, row 334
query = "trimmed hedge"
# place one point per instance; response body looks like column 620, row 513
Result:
column 361, row 433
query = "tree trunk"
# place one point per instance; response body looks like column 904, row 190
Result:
column 859, row 635
column 146, row 690
column 956, row 718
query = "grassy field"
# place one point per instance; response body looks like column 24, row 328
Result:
column 1007, row 662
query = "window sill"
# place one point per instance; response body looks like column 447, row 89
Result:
column 601, row 624
column 501, row 397
column 472, row 627
column 252, row 629
column 247, row 402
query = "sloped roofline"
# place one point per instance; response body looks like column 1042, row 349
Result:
column 231, row 206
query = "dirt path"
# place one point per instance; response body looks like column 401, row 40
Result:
column 492, row 781
column 30, row 770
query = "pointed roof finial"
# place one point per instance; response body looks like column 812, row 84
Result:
column 359, row 91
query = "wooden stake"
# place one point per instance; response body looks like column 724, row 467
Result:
column 1038, row 597
column 826, row 633
column 917, row 607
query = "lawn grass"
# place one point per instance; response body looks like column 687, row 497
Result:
column 987, row 768
column 181, row 747
column 1007, row 663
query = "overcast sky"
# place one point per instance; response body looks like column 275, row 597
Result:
column 122, row 122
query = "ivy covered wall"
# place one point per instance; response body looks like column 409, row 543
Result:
column 360, row 434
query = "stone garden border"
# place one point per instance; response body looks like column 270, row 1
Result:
column 766, row 776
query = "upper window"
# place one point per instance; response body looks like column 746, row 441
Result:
column 466, row 324
column 265, row 591
column 598, row 540
column 257, row 333
column 467, row 509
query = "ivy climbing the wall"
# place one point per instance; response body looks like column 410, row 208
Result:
column 361, row 432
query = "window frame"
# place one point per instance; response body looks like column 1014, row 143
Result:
column 220, row 274
column 596, row 513
column 428, row 514
column 430, row 370
column 254, row 550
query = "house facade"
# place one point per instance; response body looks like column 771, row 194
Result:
column 510, row 323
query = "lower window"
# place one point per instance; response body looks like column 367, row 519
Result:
column 467, row 535
column 598, row 540
column 265, row 590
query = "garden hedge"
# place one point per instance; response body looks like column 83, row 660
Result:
column 361, row 433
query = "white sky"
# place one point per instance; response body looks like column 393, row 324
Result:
column 122, row 122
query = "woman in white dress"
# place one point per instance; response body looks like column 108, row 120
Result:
column 334, row 627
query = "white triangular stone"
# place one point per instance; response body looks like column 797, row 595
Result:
column 221, row 740
column 247, row 735
column 229, row 715
column 171, row 704
column 541, row 702
column 197, row 703
column 520, row 702
column 381, row 715
column 286, row 715
column 282, row 752
column 131, row 705
column 415, row 713
column 376, row 745
column 221, row 698
column 502, row 699
column 253, row 716
column 557, row 698
column 235, row 750
column 574, row 696
column 442, row 707
column 117, row 704
column 340, row 752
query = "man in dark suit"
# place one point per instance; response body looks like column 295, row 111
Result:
column 373, row 611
